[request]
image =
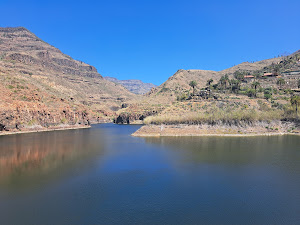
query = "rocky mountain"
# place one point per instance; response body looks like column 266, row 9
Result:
column 41, row 86
column 135, row 86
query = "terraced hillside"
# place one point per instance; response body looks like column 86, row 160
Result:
column 177, row 84
column 39, row 85
column 177, row 87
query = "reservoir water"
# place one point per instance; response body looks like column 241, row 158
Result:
column 102, row 175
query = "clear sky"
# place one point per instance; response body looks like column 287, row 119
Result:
column 151, row 39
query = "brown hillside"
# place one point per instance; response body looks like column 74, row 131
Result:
column 179, row 82
column 248, row 66
column 37, row 79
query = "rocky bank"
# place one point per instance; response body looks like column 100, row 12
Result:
column 257, row 129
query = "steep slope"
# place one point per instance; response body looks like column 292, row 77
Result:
column 135, row 86
column 37, row 79
column 177, row 84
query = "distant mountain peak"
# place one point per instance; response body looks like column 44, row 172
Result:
column 133, row 85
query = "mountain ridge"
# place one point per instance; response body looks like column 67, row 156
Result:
column 40, row 85
column 133, row 85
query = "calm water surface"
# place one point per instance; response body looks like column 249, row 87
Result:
column 103, row 175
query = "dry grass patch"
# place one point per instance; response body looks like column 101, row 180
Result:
column 216, row 115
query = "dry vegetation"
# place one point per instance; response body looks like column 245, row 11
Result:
column 216, row 116
column 39, row 83
column 233, row 116
column 228, row 109
column 228, row 97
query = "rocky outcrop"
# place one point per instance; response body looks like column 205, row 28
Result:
column 127, row 118
column 41, row 86
column 56, row 64
column 2, row 127
column 27, row 118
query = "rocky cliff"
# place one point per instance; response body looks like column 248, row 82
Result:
column 41, row 86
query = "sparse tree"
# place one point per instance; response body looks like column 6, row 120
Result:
column 238, row 75
column 215, row 86
column 235, row 85
column 221, row 81
column 295, row 101
column 224, row 80
column 251, row 93
column 268, row 94
column 209, row 82
column 256, row 75
column 193, row 84
column 276, row 69
column 280, row 82
column 255, row 85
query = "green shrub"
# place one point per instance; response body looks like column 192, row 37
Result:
column 251, row 93
column 32, row 122
column 267, row 96
column 182, row 97
column 64, row 120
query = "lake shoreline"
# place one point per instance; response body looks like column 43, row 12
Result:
column 43, row 129
column 182, row 130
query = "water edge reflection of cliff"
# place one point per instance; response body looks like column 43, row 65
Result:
column 30, row 156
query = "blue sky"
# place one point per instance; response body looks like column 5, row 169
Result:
column 151, row 40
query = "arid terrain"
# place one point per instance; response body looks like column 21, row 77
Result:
column 250, row 98
column 42, row 88
column 232, row 89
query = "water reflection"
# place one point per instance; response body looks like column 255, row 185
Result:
column 33, row 155
column 105, row 176
column 279, row 150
